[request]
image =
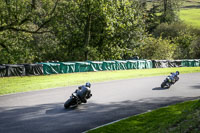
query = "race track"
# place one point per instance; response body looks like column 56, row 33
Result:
column 43, row 111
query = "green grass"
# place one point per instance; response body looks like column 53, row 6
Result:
column 179, row 118
column 28, row 83
column 188, row 3
column 191, row 17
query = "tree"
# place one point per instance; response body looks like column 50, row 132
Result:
column 19, row 21
column 97, row 30
column 169, row 9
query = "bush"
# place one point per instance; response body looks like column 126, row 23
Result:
column 170, row 30
column 156, row 49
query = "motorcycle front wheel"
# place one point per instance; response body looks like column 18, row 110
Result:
column 68, row 103
column 165, row 85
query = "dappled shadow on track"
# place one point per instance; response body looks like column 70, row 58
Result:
column 159, row 88
column 53, row 117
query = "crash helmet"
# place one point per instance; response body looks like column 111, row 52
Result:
column 177, row 72
column 88, row 84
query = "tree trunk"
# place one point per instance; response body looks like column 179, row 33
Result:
column 87, row 35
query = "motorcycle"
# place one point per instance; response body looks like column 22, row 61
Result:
column 74, row 100
column 169, row 81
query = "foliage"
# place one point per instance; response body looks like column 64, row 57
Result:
column 69, row 30
column 156, row 49
column 169, row 31
column 183, row 36
column 195, row 48
column 64, row 30
column 19, row 21
column 169, row 9
column 184, row 42
column 110, row 26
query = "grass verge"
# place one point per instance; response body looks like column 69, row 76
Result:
column 178, row 118
column 191, row 17
column 28, row 83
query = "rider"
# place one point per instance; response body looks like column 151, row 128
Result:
column 174, row 76
column 84, row 92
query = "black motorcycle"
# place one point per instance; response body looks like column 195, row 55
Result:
column 169, row 81
column 74, row 100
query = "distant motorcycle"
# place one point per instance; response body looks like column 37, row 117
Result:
column 79, row 96
column 170, row 80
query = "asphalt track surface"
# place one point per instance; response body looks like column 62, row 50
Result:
column 43, row 111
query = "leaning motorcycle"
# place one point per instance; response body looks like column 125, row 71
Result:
column 74, row 100
column 169, row 81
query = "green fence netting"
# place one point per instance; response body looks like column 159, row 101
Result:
column 67, row 67
column 131, row 64
column 160, row 63
column 33, row 69
column 2, row 70
column 109, row 65
column 15, row 70
column 82, row 67
column 121, row 65
column 148, row 64
column 96, row 66
column 190, row 63
column 174, row 63
column 71, row 67
column 141, row 64
column 51, row 68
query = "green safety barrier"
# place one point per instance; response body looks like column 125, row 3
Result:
column 109, row 65
column 131, row 64
column 196, row 63
column 82, row 67
column 141, row 64
column 51, row 68
column 96, row 66
column 190, row 63
column 67, row 67
column 70, row 67
column 121, row 65
column 148, row 64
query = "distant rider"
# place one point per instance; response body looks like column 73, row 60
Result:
column 174, row 76
column 84, row 92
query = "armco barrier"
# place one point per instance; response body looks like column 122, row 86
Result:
column 131, row 64
column 109, row 65
column 71, row 67
column 15, row 70
column 148, row 64
column 160, row 63
column 141, row 64
column 121, row 65
column 190, row 63
column 51, row 68
column 96, row 66
column 2, row 70
column 82, row 67
column 67, row 67
column 33, row 69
